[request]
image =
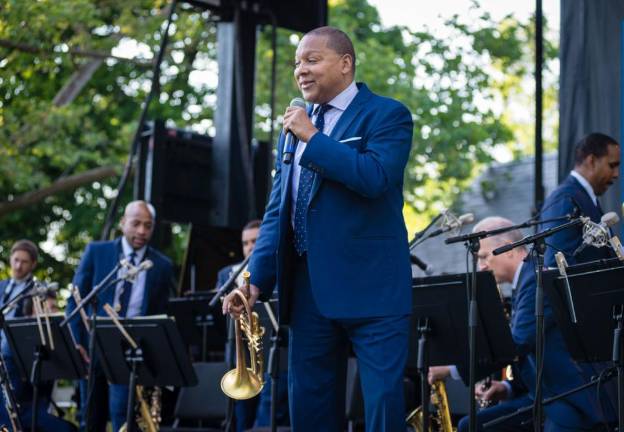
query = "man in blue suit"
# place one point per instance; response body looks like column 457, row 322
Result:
column 597, row 161
column 334, row 241
column 147, row 295
column 597, row 164
column 23, row 260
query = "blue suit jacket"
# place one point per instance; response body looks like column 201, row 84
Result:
column 98, row 261
column 560, row 371
column 565, row 199
column 357, row 255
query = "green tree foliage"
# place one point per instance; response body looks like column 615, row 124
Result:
column 450, row 82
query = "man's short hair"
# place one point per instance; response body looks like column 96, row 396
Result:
column 497, row 222
column 252, row 224
column 27, row 246
column 337, row 40
column 596, row 144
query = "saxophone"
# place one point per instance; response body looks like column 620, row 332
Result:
column 441, row 420
column 148, row 415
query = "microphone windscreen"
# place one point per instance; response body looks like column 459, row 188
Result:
column 610, row 218
column 298, row 102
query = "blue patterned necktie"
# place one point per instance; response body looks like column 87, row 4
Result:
column 306, row 179
column 124, row 298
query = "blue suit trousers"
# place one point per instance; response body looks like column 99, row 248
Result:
column 318, row 353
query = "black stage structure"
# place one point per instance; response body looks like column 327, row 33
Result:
column 215, row 184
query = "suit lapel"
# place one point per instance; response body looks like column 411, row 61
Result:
column 110, row 260
column 345, row 120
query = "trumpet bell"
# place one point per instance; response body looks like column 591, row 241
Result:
column 241, row 386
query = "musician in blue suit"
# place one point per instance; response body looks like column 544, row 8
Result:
column 597, row 160
column 147, row 295
column 334, row 241
column 597, row 164
column 23, row 260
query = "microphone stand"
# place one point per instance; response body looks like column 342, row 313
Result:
column 228, row 284
column 92, row 299
column 419, row 234
column 539, row 248
column 484, row 234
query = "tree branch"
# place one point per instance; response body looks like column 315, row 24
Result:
column 64, row 184
column 74, row 51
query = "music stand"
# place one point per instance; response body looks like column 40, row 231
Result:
column 159, row 359
column 589, row 310
column 440, row 323
column 38, row 362
column 199, row 323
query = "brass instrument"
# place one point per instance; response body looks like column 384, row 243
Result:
column 245, row 382
column 148, row 415
column 441, row 420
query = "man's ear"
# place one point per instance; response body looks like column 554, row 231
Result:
column 347, row 63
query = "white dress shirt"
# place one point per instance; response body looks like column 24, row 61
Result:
column 339, row 105
column 138, row 287
column 588, row 188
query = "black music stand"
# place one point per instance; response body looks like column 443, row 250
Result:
column 159, row 360
column 199, row 323
column 440, row 323
column 589, row 310
column 38, row 362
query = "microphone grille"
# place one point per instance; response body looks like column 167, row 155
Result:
column 298, row 102
column 610, row 219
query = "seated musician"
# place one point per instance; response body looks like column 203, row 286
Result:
column 256, row 411
column 23, row 260
column 577, row 412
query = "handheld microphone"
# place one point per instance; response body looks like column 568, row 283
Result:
column 597, row 235
column 290, row 143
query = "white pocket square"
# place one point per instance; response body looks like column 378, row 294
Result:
column 350, row 139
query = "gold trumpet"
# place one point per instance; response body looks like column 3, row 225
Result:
column 242, row 382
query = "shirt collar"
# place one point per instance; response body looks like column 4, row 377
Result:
column 588, row 188
column 21, row 281
column 343, row 99
column 127, row 250
column 514, row 282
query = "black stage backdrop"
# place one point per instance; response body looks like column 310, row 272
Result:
column 591, row 91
